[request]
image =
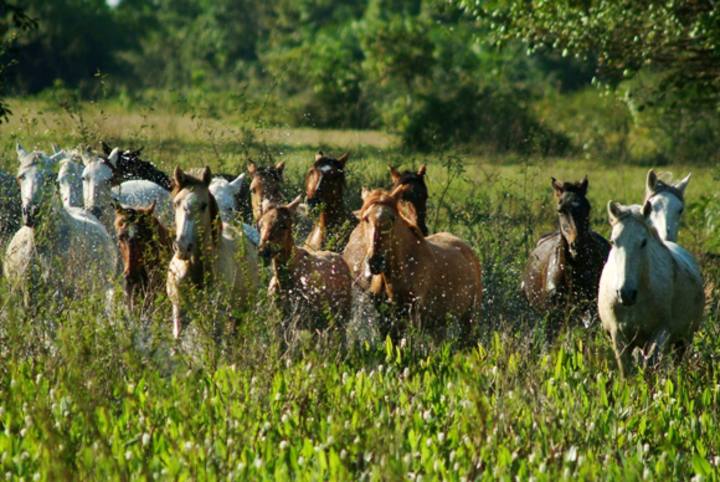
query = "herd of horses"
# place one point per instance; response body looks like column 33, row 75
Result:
column 75, row 220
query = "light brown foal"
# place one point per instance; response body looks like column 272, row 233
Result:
column 311, row 283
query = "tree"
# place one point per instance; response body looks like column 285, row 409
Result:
column 676, row 40
column 13, row 18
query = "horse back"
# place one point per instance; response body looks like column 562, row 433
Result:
column 457, row 267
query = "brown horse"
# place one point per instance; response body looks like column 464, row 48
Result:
column 265, row 186
column 425, row 277
column 310, row 283
column 207, row 254
column 324, row 188
column 563, row 272
column 146, row 248
column 417, row 194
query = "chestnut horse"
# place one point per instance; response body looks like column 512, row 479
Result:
column 207, row 254
column 417, row 194
column 265, row 186
column 324, row 189
column 563, row 271
column 313, row 284
column 427, row 278
column 145, row 248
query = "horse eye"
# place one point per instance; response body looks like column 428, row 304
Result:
column 644, row 243
column 681, row 210
column 203, row 206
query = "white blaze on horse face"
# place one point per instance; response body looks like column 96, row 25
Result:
column 665, row 216
column 30, row 179
column 378, row 225
column 96, row 185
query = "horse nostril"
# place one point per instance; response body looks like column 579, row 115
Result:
column 627, row 296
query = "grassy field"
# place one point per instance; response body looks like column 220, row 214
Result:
column 102, row 399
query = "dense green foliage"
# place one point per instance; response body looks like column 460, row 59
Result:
column 89, row 395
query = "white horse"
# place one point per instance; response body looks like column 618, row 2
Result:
column 651, row 292
column 208, row 254
column 667, row 202
column 66, row 252
column 99, row 192
column 70, row 178
column 225, row 193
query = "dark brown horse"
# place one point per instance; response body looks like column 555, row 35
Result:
column 324, row 189
column 563, row 272
column 416, row 194
column 146, row 248
column 265, row 186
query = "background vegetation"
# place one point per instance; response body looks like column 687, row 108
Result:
column 507, row 76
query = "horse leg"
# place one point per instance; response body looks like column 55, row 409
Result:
column 656, row 348
column 622, row 354
column 178, row 320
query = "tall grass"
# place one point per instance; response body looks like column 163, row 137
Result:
column 110, row 395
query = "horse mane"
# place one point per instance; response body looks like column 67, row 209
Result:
column 383, row 198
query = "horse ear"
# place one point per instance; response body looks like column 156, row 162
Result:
column 206, row 175
column 113, row 157
column 293, row 205
column 55, row 148
column 614, row 211
column 319, row 155
column 650, row 181
column 116, row 206
column 251, row 168
column 106, row 148
column 398, row 192
column 344, row 158
column 21, row 152
column 557, row 187
column 364, row 193
column 394, row 175
column 421, row 171
column 358, row 213
column 178, row 177
column 151, row 208
column 237, row 183
column 680, row 186
column 584, row 185
column 647, row 209
column 280, row 167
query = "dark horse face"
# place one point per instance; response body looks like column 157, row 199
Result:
column 416, row 193
column 134, row 229
column 265, row 186
column 573, row 211
column 325, row 180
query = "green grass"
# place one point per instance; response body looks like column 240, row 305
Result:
column 113, row 398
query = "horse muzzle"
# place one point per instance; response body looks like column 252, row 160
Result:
column 95, row 211
column 627, row 296
column 29, row 215
column 182, row 251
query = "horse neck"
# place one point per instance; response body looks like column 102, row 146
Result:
column 284, row 266
column 52, row 212
column 406, row 246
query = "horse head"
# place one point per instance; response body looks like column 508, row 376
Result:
column 275, row 227
column 197, row 220
column 35, row 178
column 265, row 185
column 667, row 202
column 573, row 210
column 325, row 181
column 97, row 181
column 135, row 229
column 416, row 194
column 381, row 219
column 632, row 237
column 225, row 193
